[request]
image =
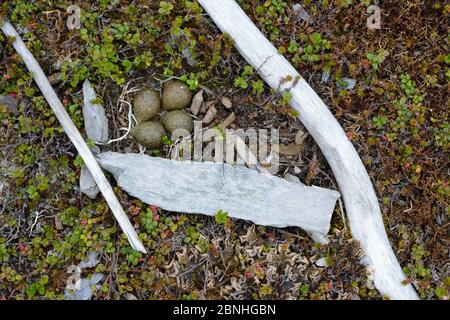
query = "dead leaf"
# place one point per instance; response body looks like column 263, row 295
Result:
column 58, row 223
column 183, row 257
column 250, row 237
column 55, row 78
column 229, row 120
column 173, row 269
column 207, row 90
column 300, row 137
column 312, row 169
column 210, row 115
column 197, row 102
column 206, row 105
column 227, row 102
column 292, row 149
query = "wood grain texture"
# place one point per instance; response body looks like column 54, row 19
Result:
column 74, row 135
column 207, row 187
column 361, row 203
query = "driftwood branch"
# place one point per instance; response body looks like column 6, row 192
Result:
column 74, row 135
column 361, row 203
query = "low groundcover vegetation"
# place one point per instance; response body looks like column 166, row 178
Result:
column 396, row 115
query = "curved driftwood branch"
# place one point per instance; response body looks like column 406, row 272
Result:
column 360, row 199
column 74, row 135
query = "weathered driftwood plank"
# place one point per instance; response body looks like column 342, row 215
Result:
column 95, row 120
column 207, row 187
column 88, row 186
column 360, row 199
column 73, row 133
column 96, row 127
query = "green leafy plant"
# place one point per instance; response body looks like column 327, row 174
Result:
column 380, row 121
column 221, row 217
column 314, row 45
column 410, row 88
column 257, row 87
column 270, row 13
column 376, row 59
column 345, row 3
column 38, row 287
column 4, row 254
column 192, row 81
column 242, row 80
column 165, row 8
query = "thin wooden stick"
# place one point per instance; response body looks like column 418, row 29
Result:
column 73, row 133
column 361, row 203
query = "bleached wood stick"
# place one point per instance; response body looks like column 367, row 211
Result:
column 74, row 135
column 361, row 203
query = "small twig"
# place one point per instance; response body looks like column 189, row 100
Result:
column 130, row 120
column 38, row 215
column 193, row 267
column 410, row 208
column 341, row 211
